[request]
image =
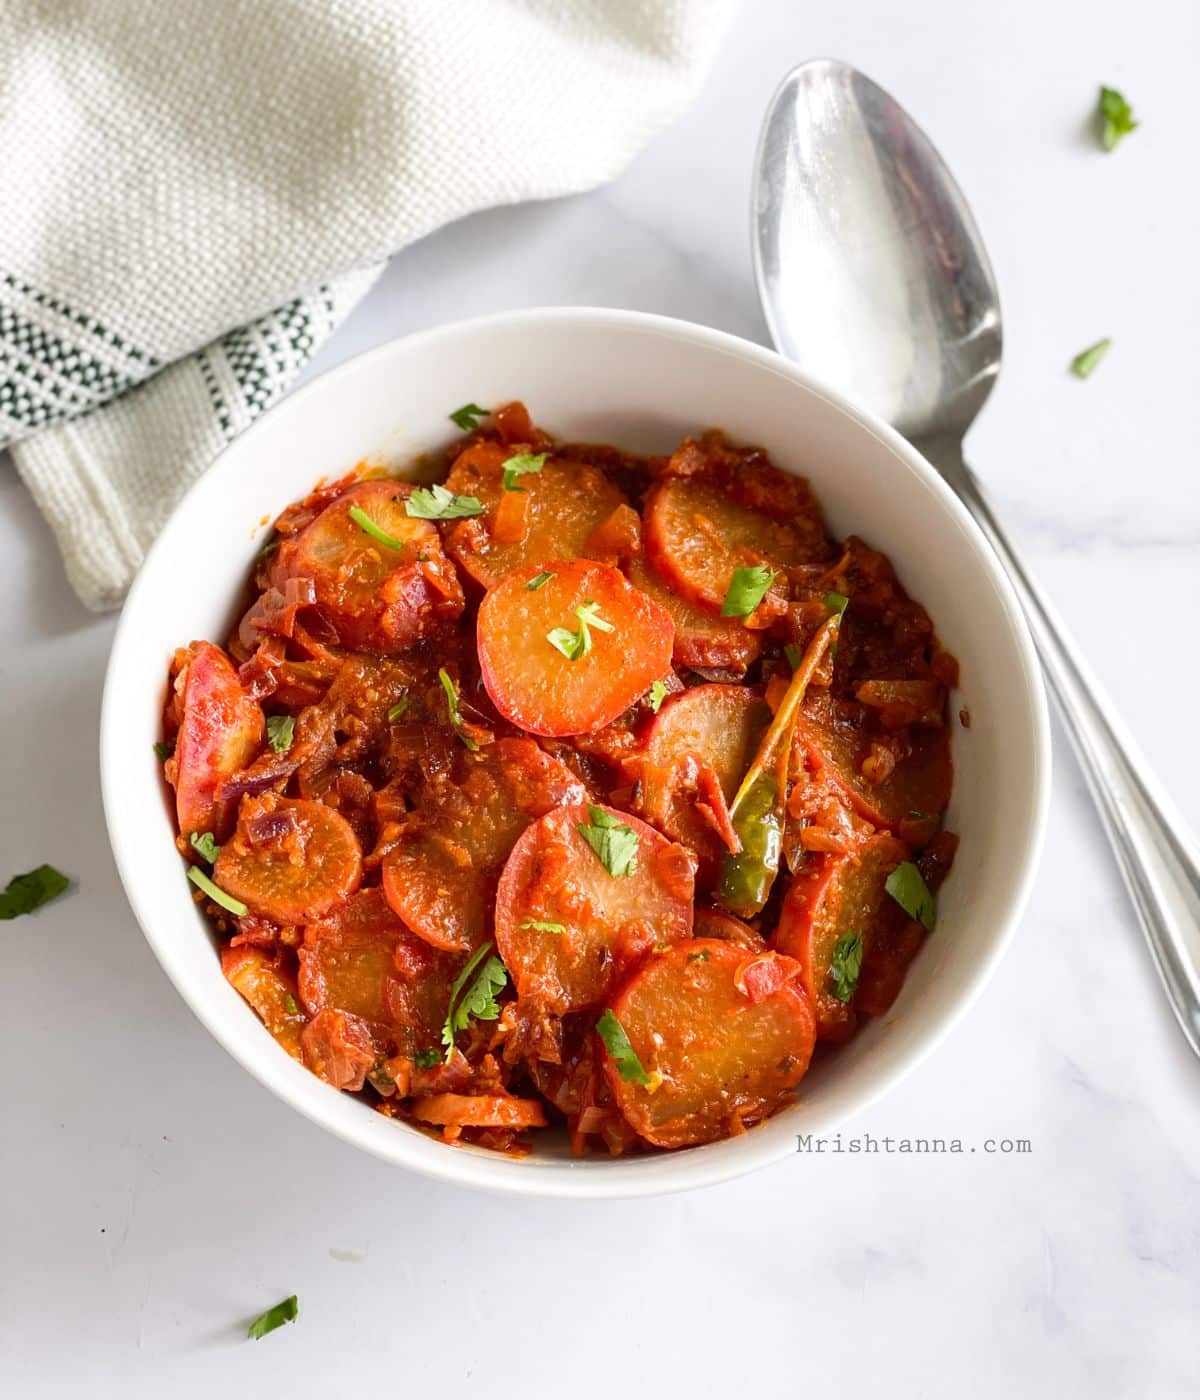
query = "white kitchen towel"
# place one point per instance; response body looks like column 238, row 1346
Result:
column 197, row 191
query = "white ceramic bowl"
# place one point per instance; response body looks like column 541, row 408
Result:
column 642, row 382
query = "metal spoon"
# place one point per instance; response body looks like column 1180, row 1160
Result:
column 874, row 278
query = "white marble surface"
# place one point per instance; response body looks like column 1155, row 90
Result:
column 153, row 1196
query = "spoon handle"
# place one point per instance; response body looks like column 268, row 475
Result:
column 1157, row 857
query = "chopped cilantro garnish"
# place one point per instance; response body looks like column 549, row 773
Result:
column 1114, row 118
column 467, row 417
column 907, row 887
column 701, row 956
column 794, row 655
column 544, row 926
column 837, row 603
column 474, row 993
column 396, row 710
column 658, row 693
column 366, row 524
column 575, row 645
column 280, row 730
column 203, row 844
column 436, row 503
column 539, row 581
column 273, row 1318
column 426, row 1059
column 215, row 892
column 624, row 1056
column 614, row 843
column 747, row 588
column 522, row 465
column 845, row 965
column 456, row 719
column 163, row 750
column 25, row 893
column 1087, row 360
column 290, row 1005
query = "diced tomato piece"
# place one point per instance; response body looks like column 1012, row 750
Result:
column 709, row 730
column 564, row 503
column 376, row 597
column 698, row 531
column 338, row 1048
column 289, row 860
column 258, row 978
column 702, row 639
column 717, row 1058
column 716, row 923
column 554, row 877
column 539, row 689
column 440, row 877
column 220, row 730
column 832, row 896
column 839, row 735
column 479, row 1111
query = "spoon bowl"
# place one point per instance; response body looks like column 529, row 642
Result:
column 872, row 272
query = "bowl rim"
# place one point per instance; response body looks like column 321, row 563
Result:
column 620, row 1178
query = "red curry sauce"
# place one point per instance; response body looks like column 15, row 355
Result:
column 581, row 788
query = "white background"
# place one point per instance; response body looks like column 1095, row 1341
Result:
column 153, row 1197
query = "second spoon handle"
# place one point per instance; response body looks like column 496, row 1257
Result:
column 1157, row 858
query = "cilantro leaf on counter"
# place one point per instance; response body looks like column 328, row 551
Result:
column 25, row 893
column 286, row 1311
column 1087, row 360
column 1114, row 118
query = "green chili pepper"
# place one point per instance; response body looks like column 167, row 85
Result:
column 757, row 811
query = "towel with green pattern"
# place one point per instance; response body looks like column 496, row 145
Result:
column 197, row 192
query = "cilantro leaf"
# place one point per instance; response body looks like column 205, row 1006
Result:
column 624, row 1056
column 377, row 533
column 426, row 1059
column 539, row 581
column 614, row 843
column 837, row 603
column 544, row 926
column 1114, row 118
column 25, row 893
column 1087, row 360
column 521, row 465
column 794, row 655
column 747, row 588
column 658, row 693
column 280, row 731
column 215, row 892
column 164, row 749
column 474, row 993
column 467, row 417
column 702, row 956
column 291, row 1005
column 273, row 1318
column 203, row 843
column 396, row 710
column 456, row 719
column 575, row 645
column 908, row 888
column 845, row 965
column 436, row 503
